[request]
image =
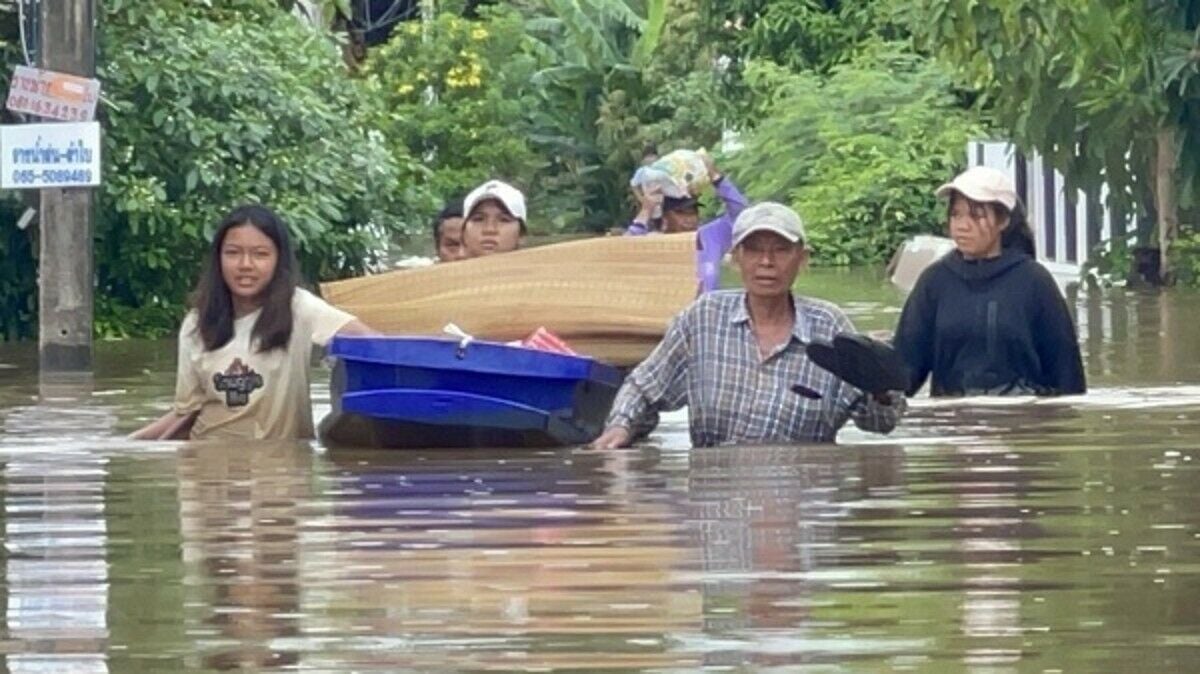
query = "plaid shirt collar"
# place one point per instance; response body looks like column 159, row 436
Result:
column 801, row 328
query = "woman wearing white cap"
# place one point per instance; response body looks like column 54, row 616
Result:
column 493, row 219
column 738, row 358
column 987, row 319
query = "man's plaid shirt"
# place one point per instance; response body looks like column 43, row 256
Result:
column 709, row 361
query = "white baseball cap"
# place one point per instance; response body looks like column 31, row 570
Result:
column 982, row 184
column 508, row 196
column 769, row 216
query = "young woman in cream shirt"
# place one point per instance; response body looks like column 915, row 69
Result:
column 245, row 348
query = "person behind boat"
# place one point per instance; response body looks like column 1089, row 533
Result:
column 736, row 358
column 649, row 154
column 493, row 219
column 245, row 347
column 447, row 232
column 714, row 239
column 682, row 214
column 649, row 215
column 987, row 318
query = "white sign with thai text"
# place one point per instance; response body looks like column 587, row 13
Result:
column 33, row 156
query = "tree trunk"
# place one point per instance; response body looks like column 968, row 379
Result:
column 1165, row 201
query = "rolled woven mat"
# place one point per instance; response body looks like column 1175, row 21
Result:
column 610, row 298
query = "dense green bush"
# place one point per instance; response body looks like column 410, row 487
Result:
column 616, row 75
column 859, row 153
column 589, row 92
column 18, row 247
column 802, row 35
column 18, row 275
column 1185, row 257
column 206, row 113
column 457, row 95
column 559, row 97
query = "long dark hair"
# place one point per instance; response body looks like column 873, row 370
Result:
column 1018, row 235
column 214, row 303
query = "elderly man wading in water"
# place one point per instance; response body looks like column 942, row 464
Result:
column 737, row 359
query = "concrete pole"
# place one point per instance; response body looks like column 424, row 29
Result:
column 65, row 265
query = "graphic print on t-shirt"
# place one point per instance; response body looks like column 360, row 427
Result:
column 237, row 382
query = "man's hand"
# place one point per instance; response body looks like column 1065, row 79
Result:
column 613, row 437
column 886, row 397
column 714, row 175
column 649, row 200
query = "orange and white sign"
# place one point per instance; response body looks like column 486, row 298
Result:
column 52, row 95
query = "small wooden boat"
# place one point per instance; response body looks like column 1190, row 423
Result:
column 424, row 392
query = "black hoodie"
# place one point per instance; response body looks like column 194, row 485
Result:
column 997, row 326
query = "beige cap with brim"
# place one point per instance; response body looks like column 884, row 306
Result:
column 769, row 216
column 982, row 184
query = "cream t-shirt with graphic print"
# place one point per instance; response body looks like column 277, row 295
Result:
column 244, row 393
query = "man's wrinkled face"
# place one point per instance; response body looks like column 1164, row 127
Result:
column 769, row 263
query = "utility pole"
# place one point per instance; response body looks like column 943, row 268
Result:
column 65, row 265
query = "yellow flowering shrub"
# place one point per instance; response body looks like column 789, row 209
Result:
column 475, row 124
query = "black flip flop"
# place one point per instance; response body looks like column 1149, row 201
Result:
column 869, row 364
column 825, row 356
column 866, row 364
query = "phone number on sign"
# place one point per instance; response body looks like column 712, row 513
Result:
column 69, row 176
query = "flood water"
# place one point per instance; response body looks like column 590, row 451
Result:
column 984, row 535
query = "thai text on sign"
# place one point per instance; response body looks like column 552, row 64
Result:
column 52, row 95
column 33, row 156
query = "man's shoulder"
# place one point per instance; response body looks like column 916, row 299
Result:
column 825, row 318
column 718, row 302
column 819, row 309
column 713, row 308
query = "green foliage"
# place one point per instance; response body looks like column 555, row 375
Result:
column 18, row 248
column 18, row 275
column 1087, row 84
column 1111, row 262
column 558, row 97
column 858, row 154
column 458, row 96
column 806, row 35
column 689, row 84
column 612, row 81
column 1185, row 258
column 588, row 98
column 206, row 114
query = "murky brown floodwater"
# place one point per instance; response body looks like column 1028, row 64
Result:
column 988, row 536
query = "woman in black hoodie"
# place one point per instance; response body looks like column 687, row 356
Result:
column 988, row 319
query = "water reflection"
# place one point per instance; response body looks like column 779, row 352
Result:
column 55, row 536
column 1139, row 336
column 767, row 522
column 515, row 560
column 241, row 512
